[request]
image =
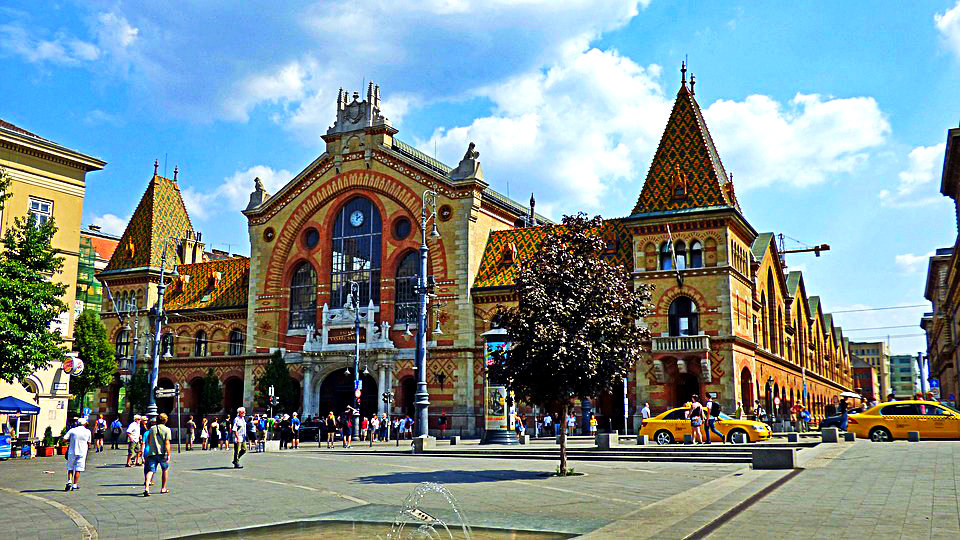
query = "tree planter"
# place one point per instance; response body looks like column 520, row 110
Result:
column 62, row 450
column 46, row 451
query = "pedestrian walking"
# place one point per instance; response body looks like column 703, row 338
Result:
column 79, row 441
column 239, row 433
column 738, row 413
column 548, row 424
column 712, row 411
column 116, row 430
column 214, row 434
column 191, row 432
column 364, row 427
column 330, row 429
column 346, row 426
column 284, row 431
column 442, row 422
column 645, row 412
column 204, row 434
column 133, row 440
column 593, row 425
column 99, row 432
column 157, row 454
column 252, row 433
column 143, row 429
column 295, row 430
column 695, row 413
column 408, row 426
column 571, row 424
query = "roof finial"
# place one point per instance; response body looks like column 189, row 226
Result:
column 533, row 215
column 683, row 73
column 156, row 165
column 176, row 169
column 693, row 81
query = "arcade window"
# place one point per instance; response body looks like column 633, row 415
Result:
column 236, row 343
column 311, row 237
column 406, row 309
column 681, row 250
column 303, row 297
column 357, row 239
column 122, row 344
column 666, row 258
column 696, row 254
column 200, row 344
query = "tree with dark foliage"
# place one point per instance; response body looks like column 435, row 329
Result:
column 574, row 331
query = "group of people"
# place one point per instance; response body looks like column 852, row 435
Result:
column 704, row 416
column 378, row 427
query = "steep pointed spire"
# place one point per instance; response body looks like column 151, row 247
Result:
column 686, row 171
column 176, row 170
column 156, row 166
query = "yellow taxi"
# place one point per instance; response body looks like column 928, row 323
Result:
column 894, row 419
column 672, row 425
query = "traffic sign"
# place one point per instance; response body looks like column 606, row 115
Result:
column 776, row 401
column 166, row 392
column 86, row 411
column 270, row 391
column 357, row 384
column 934, row 383
column 356, row 393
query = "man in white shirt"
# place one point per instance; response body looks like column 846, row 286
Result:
column 645, row 411
column 239, row 431
column 548, row 424
column 133, row 439
column 78, row 438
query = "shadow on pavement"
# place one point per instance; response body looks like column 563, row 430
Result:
column 213, row 469
column 122, row 485
column 120, row 494
column 42, row 490
column 112, row 466
column 451, row 477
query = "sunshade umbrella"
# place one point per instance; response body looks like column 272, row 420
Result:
column 12, row 405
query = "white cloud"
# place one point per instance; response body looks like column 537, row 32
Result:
column 62, row 49
column 233, row 193
column 911, row 264
column 922, row 169
column 948, row 24
column 800, row 143
column 284, row 84
column 111, row 223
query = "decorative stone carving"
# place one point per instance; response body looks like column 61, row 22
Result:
column 659, row 372
column 259, row 194
column 705, row 372
column 682, row 366
column 469, row 168
column 355, row 115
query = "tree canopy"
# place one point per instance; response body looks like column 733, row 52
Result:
column 211, row 394
column 277, row 374
column 93, row 347
column 574, row 330
column 29, row 299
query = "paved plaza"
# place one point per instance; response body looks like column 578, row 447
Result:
column 851, row 490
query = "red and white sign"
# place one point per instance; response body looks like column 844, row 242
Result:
column 356, row 393
column 776, row 401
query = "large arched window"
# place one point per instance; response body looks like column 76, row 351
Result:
column 200, row 344
column 684, row 319
column 303, row 297
column 406, row 307
column 236, row 343
column 666, row 259
column 121, row 345
column 696, row 254
column 681, row 249
column 772, row 314
column 357, row 241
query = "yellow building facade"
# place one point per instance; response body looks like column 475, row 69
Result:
column 48, row 182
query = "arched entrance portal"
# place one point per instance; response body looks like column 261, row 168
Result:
column 336, row 393
column 688, row 385
column 746, row 390
column 232, row 395
column 408, row 392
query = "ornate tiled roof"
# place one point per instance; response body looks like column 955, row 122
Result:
column 498, row 267
column 158, row 222
column 686, row 171
column 221, row 283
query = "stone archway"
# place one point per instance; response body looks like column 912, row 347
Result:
column 746, row 389
column 232, row 395
column 335, row 393
column 165, row 405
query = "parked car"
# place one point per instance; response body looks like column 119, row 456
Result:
column 895, row 419
column 673, row 424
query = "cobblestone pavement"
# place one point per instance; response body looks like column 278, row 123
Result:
column 209, row 495
column 896, row 490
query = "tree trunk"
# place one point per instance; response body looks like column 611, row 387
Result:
column 563, row 440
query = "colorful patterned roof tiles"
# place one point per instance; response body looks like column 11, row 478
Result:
column 220, row 283
column 686, row 171
column 158, row 222
column 498, row 267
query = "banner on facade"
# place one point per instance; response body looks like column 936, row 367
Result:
column 496, row 407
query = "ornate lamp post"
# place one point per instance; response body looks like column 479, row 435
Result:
column 422, row 397
column 355, row 295
column 160, row 317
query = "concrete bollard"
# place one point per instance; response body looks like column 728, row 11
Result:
column 421, row 444
column 849, row 437
column 913, row 436
column 524, row 439
column 454, row 440
column 643, row 440
column 830, row 435
column 687, row 439
column 606, row 441
column 774, row 458
column 271, row 446
column 793, row 437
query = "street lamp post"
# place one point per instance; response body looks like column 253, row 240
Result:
column 422, row 397
column 355, row 295
column 160, row 317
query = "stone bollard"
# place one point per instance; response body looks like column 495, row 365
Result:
column 774, row 458
column 793, row 437
column 830, row 434
column 524, row 439
column 271, row 446
column 913, row 436
column 421, row 444
column 454, row 440
column 688, row 439
column 849, row 437
column 643, row 440
column 606, row 441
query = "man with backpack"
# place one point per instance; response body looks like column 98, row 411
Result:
column 713, row 413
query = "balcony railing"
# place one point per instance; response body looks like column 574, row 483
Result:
column 681, row 344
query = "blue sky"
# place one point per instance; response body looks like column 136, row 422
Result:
column 831, row 115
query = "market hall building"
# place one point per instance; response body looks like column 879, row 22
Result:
column 728, row 317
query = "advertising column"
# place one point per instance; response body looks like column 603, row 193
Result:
column 498, row 425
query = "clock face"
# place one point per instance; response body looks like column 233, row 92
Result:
column 356, row 218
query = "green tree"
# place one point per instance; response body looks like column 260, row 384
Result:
column 211, row 394
column 29, row 300
column 4, row 187
column 573, row 332
column 138, row 390
column 277, row 374
column 94, row 349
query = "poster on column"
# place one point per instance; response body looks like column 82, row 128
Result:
column 496, row 407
